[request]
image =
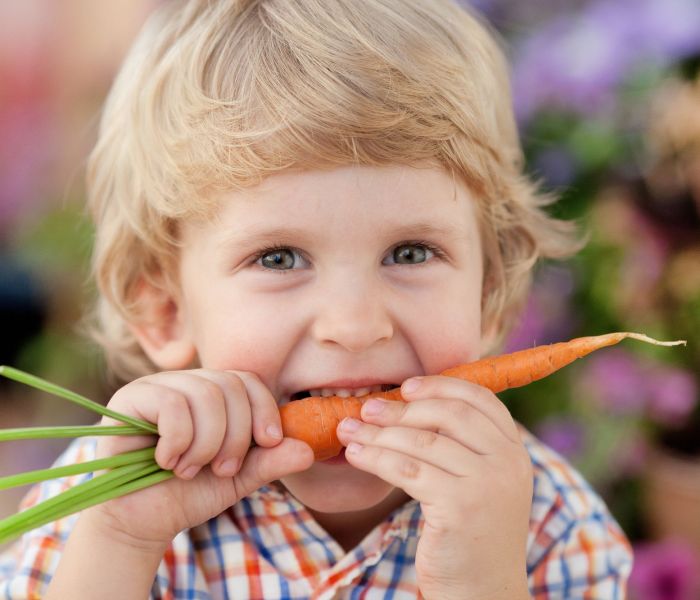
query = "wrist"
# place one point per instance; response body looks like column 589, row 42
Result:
column 102, row 528
column 102, row 562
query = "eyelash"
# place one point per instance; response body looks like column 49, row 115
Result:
column 437, row 252
column 270, row 249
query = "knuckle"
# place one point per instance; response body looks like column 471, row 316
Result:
column 243, row 375
column 409, row 468
column 457, row 408
column 172, row 400
column 234, row 383
column 425, row 439
column 210, row 393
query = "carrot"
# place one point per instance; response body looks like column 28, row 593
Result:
column 314, row 420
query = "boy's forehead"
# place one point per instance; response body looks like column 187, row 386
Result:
column 387, row 186
column 409, row 203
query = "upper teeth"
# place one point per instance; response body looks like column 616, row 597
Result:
column 346, row 392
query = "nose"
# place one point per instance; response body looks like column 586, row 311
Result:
column 354, row 317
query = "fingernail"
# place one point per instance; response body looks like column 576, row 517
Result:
column 274, row 431
column 411, row 385
column 170, row 465
column 229, row 467
column 353, row 448
column 349, row 425
column 189, row 472
column 373, row 406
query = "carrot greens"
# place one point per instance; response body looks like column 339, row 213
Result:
column 57, row 390
column 124, row 473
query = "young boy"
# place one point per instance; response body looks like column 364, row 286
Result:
column 319, row 196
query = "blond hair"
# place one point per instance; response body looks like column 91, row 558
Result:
column 217, row 95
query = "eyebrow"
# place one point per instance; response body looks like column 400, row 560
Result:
column 261, row 235
column 420, row 229
column 254, row 236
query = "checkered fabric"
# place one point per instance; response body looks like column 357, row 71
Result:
column 268, row 546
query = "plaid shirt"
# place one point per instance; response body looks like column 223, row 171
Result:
column 268, row 546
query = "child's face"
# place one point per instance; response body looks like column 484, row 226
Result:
column 375, row 275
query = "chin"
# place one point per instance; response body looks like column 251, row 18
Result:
column 334, row 489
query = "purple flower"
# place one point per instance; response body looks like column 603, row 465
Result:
column 577, row 61
column 666, row 570
column 673, row 394
column 564, row 435
column 666, row 30
column 572, row 63
column 617, row 380
column 626, row 384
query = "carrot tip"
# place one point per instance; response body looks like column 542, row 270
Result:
column 645, row 338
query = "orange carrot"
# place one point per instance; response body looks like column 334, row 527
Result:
column 314, row 420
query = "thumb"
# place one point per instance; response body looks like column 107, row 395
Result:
column 263, row 465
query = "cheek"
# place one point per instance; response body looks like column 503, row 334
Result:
column 450, row 334
column 251, row 337
column 456, row 345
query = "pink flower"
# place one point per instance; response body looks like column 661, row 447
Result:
column 626, row 384
column 665, row 570
column 673, row 394
column 617, row 380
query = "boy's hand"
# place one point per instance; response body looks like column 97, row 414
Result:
column 206, row 421
column 455, row 448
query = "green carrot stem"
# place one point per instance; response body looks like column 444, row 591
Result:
column 110, row 462
column 56, row 390
column 67, row 501
column 69, row 496
column 37, row 433
column 146, row 478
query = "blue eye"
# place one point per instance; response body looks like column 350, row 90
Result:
column 413, row 253
column 278, row 259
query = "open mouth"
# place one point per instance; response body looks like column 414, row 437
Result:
column 342, row 392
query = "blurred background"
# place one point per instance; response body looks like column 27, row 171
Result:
column 607, row 94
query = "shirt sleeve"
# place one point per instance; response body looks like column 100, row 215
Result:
column 576, row 549
column 26, row 567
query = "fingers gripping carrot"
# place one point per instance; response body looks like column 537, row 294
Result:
column 314, row 420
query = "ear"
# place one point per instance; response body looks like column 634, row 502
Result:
column 161, row 330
